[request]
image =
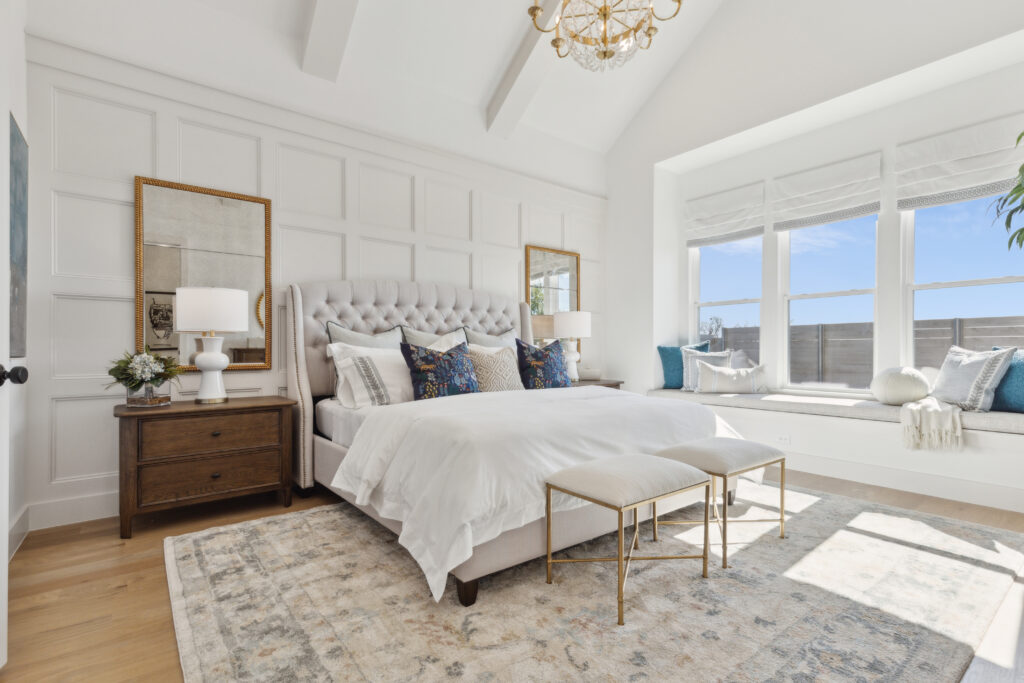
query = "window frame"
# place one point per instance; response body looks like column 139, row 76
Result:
column 786, row 382
column 695, row 299
column 911, row 287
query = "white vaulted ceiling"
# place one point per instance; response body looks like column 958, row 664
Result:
column 419, row 71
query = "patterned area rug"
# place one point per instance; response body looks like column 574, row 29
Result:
column 856, row 592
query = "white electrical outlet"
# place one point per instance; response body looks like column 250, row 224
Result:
column 782, row 439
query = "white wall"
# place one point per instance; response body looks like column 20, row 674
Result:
column 13, row 34
column 217, row 47
column 346, row 204
column 757, row 64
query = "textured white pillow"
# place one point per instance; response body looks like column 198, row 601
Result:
column 690, row 358
column 969, row 378
column 497, row 368
column 437, row 342
column 724, row 380
column 896, row 386
column 370, row 376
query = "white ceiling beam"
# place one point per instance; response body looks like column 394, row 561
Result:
column 329, row 29
column 525, row 74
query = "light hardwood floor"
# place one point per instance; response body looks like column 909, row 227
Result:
column 86, row 605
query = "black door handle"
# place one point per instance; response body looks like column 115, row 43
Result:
column 215, row 475
column 17, row 375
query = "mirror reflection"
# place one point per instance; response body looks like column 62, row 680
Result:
column 201, row 238
column 553, row 284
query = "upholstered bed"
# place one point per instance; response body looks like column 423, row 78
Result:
column 376, row 306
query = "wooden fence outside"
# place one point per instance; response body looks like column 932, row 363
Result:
column 842, row 354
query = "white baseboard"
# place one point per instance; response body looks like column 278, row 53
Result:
column 17, row 533
column 48, row 513
column 950, row 488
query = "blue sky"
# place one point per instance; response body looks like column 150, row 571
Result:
column 955, row 242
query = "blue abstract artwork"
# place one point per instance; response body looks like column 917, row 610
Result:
column 19, row 240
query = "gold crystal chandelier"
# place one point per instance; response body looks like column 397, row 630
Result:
column 602, row 34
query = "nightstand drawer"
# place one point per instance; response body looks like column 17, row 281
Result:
column 174, row 481
column 192, row 435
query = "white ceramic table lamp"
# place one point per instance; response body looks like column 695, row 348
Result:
column 208, row 310
column 572, row 325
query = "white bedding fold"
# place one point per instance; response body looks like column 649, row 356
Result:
column 458, row 471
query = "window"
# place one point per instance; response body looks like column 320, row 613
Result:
column 831, row 304
column 729, row 302
column 967, row 285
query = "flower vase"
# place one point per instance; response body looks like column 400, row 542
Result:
column 146, row 397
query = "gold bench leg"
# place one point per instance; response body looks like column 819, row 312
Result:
column 621, row 622
column 725, row 522
column 782, row 499
column 636, row 528
column 547, row 511
column 707, row 503
column 654, row 517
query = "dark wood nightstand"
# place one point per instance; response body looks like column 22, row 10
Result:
column 188, row 453
column 610, row 383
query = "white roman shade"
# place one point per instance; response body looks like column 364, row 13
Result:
column 835, row 192
column 725, row 216
column 966, row 163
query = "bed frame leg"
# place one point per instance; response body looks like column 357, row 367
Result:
column 301, row 492
column 467, row 591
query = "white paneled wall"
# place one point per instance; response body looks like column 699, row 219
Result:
column 345, row 205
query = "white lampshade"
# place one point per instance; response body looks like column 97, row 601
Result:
column 211, row 309
column 572, row 325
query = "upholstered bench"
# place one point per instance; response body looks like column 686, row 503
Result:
column 724, row 457
column 622, row 484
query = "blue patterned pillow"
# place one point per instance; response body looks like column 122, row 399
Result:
column 440, row 373
column 542, row 368
column 672, row 362
column 1009, row 397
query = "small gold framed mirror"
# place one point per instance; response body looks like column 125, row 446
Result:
column 552, row 286
column 188, row 236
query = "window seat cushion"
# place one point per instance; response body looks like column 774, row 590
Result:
column 854, row 408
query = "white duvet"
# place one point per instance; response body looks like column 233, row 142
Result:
column 458, row 471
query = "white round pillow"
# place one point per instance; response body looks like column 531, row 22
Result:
column 897, row 386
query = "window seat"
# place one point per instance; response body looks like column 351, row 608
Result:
column 854, row 408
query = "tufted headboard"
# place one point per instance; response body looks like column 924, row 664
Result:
column 373, row 306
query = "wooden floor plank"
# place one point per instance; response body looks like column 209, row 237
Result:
column 86, row 605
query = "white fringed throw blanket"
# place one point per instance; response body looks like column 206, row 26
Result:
column 931, row 424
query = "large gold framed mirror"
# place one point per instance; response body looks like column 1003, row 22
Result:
column 552, row 286
column 188, row 236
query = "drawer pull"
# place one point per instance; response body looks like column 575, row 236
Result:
column 215, row 475
column 217, row 433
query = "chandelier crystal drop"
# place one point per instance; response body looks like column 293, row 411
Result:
column 601, row 34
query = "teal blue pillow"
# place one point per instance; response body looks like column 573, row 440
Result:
column 672, row 362
column 1009, row 397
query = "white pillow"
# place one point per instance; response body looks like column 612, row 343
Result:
column 896, row 386
column 969, row 378
column 370, row 376
column 505, row 339
column 437, row 342
column 390, row 339
column 497, row 368
column 725, row 380
column 690, row 358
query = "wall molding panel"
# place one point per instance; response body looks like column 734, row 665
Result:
column 346, row 203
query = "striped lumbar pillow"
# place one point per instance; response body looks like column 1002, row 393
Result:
column 719, row 380
column 969, row 378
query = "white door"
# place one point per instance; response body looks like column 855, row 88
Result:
column 5, row 351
